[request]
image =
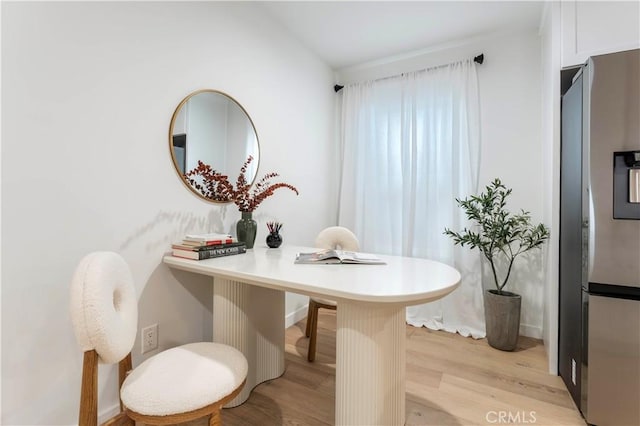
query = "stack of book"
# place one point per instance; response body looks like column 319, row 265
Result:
column 207, row 246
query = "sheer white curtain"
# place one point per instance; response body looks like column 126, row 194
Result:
column 410, row 146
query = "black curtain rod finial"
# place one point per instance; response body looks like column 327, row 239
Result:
column 337, row 88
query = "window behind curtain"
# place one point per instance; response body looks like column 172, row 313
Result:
column 410, row 148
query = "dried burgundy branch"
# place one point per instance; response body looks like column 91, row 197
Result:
column 216, row 186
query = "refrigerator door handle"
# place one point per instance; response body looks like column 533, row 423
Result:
column 634, row 185
column 590, row 250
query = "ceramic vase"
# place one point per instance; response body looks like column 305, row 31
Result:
column 274, row 239
column 246, row 229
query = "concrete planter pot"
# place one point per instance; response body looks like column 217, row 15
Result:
column 502, row 317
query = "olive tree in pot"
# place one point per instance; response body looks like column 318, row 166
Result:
column 501, row 237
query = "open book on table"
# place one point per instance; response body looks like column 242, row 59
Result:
column 338, row 256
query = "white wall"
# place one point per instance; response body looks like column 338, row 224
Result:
column 511, row 147
column 550, row 33
column 88, row 91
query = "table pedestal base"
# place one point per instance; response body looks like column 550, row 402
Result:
column 251, row 319
column 370, row 364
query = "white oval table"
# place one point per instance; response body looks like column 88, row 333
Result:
column 248, row 313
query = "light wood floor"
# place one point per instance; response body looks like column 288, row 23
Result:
column 451, row 380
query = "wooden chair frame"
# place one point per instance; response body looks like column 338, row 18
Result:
column 312, row 326
column 89, row 400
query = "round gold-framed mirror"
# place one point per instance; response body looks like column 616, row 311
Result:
column 211, row 127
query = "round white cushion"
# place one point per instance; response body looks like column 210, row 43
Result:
column 104, row 307
column 337, row 237
column 184, row 379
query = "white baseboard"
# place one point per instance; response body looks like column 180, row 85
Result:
column 531, row 331
column 108, row 413
column 295, row 316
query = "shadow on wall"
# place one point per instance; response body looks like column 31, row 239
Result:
column 181, row 223
column 528, row 280
column 182, row 305
column 179, row 302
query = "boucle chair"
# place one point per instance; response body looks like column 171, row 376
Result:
column 333, row 237
column 178, row 385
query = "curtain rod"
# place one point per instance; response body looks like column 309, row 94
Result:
column 477, row 59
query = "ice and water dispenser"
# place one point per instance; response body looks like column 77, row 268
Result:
column 626, row 185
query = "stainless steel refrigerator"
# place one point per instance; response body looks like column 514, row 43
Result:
column 599, row 336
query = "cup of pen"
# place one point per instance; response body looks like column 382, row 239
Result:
column 274, row 239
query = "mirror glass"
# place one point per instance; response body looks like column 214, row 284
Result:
column 210, row 126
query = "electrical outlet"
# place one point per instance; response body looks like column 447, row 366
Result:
column 149, row 338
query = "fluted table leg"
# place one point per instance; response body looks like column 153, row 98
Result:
column 251, row 319
column 370, row 364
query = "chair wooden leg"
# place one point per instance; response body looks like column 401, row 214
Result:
column 309, row 317
column 123, row 369
column 311, row 353
column 88, row 415
column 215, row 419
